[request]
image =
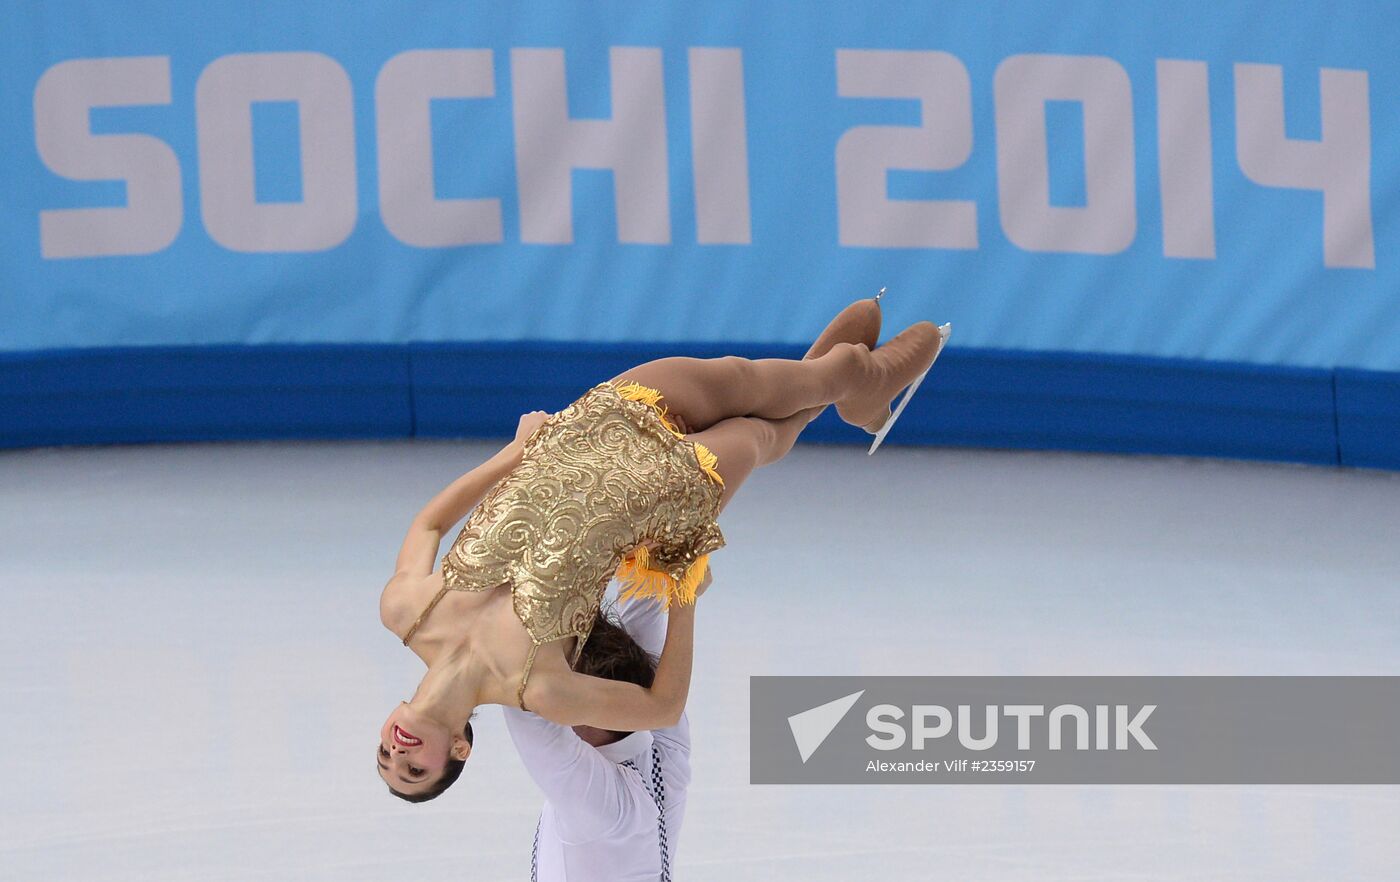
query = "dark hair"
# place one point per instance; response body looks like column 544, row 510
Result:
column 611, row 653
column 450, row 773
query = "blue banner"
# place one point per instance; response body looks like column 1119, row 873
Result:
column 1204, row 180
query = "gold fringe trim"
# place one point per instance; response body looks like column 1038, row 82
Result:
column 708, row 461
column 652, row 398
column 641, row 580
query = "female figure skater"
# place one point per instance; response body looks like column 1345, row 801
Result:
column 625, row 481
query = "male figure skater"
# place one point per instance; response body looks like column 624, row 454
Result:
column 613, row 800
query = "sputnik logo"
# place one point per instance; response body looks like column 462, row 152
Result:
column 811, row 727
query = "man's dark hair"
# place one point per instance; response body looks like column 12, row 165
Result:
column 611, row 653
column 450, row 773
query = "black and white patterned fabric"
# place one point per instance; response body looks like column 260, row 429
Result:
column 657, row 790
column 535, row 856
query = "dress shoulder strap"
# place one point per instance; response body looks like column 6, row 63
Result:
column 525, row 677
column 424, row 614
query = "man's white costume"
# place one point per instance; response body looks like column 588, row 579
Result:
column 612, row 813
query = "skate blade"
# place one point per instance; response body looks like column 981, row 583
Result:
column 947, row 331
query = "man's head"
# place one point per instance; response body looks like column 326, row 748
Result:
column 611, row 653
column 419, row 757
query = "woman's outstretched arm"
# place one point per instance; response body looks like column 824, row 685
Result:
column 573, row 699
column 420, row 546
column 580, row 700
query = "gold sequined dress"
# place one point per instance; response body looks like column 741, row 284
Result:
column 595, row 481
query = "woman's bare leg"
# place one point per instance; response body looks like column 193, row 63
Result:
column 742, row 444
column 705, row 391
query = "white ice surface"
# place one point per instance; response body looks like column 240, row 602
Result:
column 193, row 673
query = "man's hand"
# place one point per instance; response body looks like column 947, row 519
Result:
column 705, row 582
column 529, row 423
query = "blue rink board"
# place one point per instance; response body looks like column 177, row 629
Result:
column 975, row 398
